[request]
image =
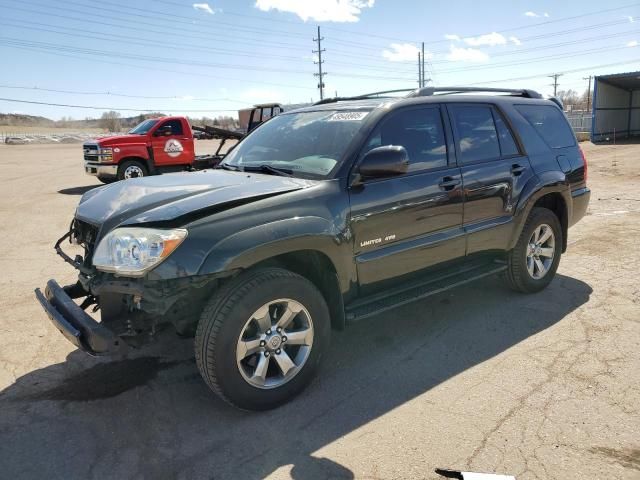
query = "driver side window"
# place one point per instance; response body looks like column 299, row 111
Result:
column 419, row 131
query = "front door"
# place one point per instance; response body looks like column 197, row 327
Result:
column 404, row 224
column 174, row 149
column 494, row 172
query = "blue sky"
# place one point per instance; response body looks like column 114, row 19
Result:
column 213, row 57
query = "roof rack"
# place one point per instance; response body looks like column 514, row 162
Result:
column 364, row 96
column 428, row 91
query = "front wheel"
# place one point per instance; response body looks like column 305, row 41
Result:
column 107, row 180
column 534, row 260
column 131, row 169
column 260, row 339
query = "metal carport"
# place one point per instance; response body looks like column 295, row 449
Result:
column 616, row 107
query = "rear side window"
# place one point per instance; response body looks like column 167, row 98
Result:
column 419, row 131
column 176, row 126
column 507, row 143
column 477, row 136
column 550, row 124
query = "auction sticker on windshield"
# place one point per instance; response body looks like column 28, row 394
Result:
column 347, row 116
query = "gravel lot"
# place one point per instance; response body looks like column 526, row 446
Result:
column 479, row 378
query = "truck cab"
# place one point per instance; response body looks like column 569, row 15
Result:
column 156, row 145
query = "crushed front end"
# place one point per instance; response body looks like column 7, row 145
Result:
column 132, row 310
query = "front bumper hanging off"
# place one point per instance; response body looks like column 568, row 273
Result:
column 75, row 324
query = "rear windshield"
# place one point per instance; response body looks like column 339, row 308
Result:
column 550, row 124
column 309, row 144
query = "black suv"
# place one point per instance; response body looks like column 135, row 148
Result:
column 320, row 217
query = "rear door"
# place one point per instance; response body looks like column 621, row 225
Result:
column 405, row 224
column 175, row 149
column 494, row 172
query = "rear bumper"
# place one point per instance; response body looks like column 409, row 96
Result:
column 100, row 170
column 580, row 200
column 75, row 324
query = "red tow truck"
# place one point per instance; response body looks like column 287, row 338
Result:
column 161, row 145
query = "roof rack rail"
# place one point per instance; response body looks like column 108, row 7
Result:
column 428, row 91
column 362, row 97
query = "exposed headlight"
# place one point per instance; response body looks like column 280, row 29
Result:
column 135, row 251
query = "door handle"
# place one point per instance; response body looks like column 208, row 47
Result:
column 448, row 183
column 517, row 169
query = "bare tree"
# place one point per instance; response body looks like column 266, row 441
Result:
column 110, row 121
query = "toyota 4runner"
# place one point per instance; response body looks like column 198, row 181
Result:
column 320, row 217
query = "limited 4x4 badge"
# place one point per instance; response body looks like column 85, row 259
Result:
column 173, row 147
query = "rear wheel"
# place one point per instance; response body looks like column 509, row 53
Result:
column 261, row 337
column 533, row 262
column 131, row 169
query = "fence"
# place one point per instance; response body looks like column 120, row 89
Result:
column 580, row 122
column 48, row 137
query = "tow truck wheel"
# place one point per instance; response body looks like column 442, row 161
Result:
column 131, row 169
column 261, row 337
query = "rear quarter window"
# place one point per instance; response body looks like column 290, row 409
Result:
column 549, row 122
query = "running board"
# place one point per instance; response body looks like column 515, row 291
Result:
column 375, row 304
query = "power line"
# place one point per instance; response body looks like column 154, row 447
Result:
column 289, row 46
column 534, row 59
column 542, row 75
column 111, row 37
column 339, row 29
column 114, row 94
column 157, row 69
column 14, row 100
column 360, row 45
column 110, row 53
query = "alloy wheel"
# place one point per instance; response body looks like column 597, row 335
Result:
column 275, row 343
column 540, row 251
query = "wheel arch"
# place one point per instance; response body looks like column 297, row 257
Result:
column 555, row 202
column 318, row 268
column 135, row 158
column 549, row 190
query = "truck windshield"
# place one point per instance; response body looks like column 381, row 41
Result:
column 144, row 127
column 306, row 144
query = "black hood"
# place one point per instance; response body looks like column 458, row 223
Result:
column 166, row 198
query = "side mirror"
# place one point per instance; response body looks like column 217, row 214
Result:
column 386, row 161
column 164, row 131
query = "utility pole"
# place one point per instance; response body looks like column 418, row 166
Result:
column 422, row 68
column 320, row 74
column 555, row 82
column 588, row 92
column 419, row 71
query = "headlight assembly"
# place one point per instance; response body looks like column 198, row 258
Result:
column 134, row 251
column 105, row 154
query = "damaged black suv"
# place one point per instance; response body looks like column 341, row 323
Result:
column 320, row 217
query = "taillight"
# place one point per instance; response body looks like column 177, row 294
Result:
column 584, row 162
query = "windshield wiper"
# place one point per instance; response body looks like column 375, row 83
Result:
column 225, row 166
column 283, row 172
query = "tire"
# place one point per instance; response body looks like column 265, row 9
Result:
column 132, row 169
column 523, row 273
column 107, row 180
column 231, row 317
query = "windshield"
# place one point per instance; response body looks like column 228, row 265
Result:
column 144, row 127
column 307, row 144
